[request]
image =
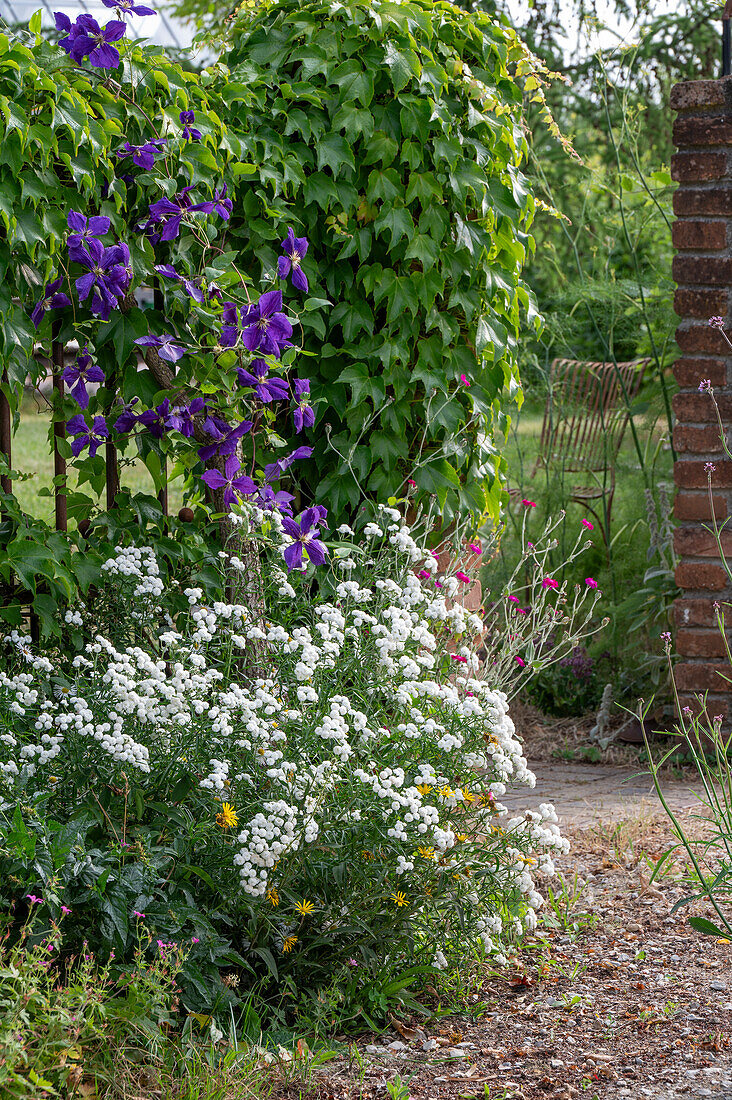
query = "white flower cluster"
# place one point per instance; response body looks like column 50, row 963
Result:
column 364, row 735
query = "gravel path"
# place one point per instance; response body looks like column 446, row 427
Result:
column 584, row 794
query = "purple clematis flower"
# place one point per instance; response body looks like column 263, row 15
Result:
column 268, row 388
column 294, row 249
column 51, row 299
column 230, row 330
column 233, row 486
column 142, row 155
column 180, row 420
column 127, row 419
column 85, row 38
column 168, row 213
column 190, row 133
column 76, row 378
column 225, row 438
column 270, row 501
column 277, row 469
column 129, row 7
column 169, row 272
column 156, row 420
column 91, row 437
column 305, row 538
column 108, row 276
column 219, row 204
column 168, row 347
column 303, row 414
column 266, row 328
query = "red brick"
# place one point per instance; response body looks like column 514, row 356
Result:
column 700, row 643
column 690, row 372
column 688, row 202
column 695, row 542
column 698, row 408
column 703, row 304
column 690, row 676
column 688, row 613
column 702, row 130
column 691, row 338
column 699, row 93
column 695, row 506
column 702, row 270
column 692, row 167
column 699, row 236
column 692, row 575
column 700, row 441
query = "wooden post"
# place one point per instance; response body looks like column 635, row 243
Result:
column 59, row 432
column 6, row 435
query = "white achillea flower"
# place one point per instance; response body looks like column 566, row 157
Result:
column 356, row 742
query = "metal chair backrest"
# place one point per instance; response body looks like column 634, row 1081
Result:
column 587, row 411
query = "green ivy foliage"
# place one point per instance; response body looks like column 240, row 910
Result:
column 390, row 135
column 61, row 125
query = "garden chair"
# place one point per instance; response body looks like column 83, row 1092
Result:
column 585, row 417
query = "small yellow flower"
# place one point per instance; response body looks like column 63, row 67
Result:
column 227, row 819
column 288, row 945
column 446, row 792
column 426, row 853
column 305, row 907
column 273, row 897
column 528, row 860
column 368, row 855
column 462, row 837
column 399, row 899
column 468, row 796
column 424, row 788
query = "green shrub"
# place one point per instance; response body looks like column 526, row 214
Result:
column 338, row 814
column 390, row 135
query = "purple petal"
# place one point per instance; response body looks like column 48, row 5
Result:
column 104, row 56
column 299, row 279
column 293, row 555
column 269, row 303
column 214, row 479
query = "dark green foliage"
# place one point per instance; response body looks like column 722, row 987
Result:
column 390, row 135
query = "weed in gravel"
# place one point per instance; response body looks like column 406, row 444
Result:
column 562, row 910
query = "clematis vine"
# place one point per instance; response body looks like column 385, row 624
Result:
column 142, row 155
column 52, row 299
column 305, row 538
column 167, row 346
column 266, row 328
column 234, row 486
column 294, row 249
column 190, row 133
column 79, row 375
column 226, row 438
column 304, row 414
column 85, row 38
column 266, row 386
column 86, row 436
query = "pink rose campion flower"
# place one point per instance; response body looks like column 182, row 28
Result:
column 528, row 503
column 590, row 583
column 590, row 526
column 549, row 583
column 463, row 577
column 459, row 657
column 474, row 548
column 519, row 662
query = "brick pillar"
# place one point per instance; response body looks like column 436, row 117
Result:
column 702, row 268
